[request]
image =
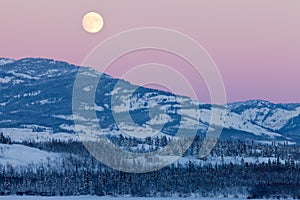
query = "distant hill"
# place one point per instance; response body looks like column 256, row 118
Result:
column 36, row 98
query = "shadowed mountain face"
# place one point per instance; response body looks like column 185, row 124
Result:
column 37, row 94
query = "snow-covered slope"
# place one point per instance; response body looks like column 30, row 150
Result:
column 20, row 155
column 4, row 61
column 266, row 114
column 36, row 102
column 29, row 133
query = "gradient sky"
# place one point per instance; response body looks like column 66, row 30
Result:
column 255, row 43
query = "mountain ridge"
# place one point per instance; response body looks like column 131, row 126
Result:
column 37, row 91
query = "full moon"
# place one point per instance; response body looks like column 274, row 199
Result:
column 92, row 22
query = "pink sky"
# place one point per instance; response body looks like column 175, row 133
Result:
column 255, row 43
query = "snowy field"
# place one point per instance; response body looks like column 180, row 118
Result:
column 102, row 198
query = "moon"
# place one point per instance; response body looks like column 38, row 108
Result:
column 92, row 22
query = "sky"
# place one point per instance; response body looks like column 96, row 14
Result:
column 254, row 43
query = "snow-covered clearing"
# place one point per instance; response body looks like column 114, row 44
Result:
column 17, row 155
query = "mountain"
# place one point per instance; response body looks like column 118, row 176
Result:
column 36, row 102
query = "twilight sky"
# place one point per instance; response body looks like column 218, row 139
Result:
column 255, row 43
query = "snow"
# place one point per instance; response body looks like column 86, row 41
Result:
column 272, row 119
column 189, row 123
column 232, row 121
column 70, row 117
column 115, row 91
column 4, row 61
column 45, row 101
column 34, row 126
column 41, row 102
column 17, row 155
column 17, row 81
column 26, row 134
column 88, row 88
column 31, row 94
column 65, row 117
column 148, row 100
column 4, row 103
column 137, row 131
column 104, row 198
column 121, row 108
column 160, row 119
column 98, row 108
column 85, row 106
column 86, row 73
column 51, row 73
column 170, row 107
column 21, row 75
column 6, row 79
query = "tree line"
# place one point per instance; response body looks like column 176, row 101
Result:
column 79, row 173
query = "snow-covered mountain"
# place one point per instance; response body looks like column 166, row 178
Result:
column 36, row 100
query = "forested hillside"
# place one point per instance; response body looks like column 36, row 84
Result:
column 234, row 168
